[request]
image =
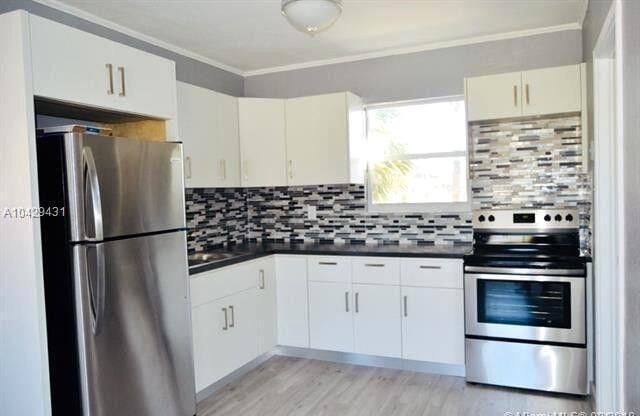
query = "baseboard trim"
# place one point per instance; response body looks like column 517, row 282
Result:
column 371, row 361
column 231, row 377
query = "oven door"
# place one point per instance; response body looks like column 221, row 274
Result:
column 525, row 307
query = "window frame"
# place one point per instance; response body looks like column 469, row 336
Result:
column 420, row 207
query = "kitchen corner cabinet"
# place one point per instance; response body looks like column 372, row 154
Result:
column 292, row 301
column 529, row 93
column 73, row 66
column 262, row 142
column 208, row 126
column 325, row 139
column 266, row 306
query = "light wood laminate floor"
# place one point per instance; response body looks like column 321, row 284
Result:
column 297, row 386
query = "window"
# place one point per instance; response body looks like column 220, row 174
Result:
column 418, row 156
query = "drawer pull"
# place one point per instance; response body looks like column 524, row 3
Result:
column 328, row 263
column 233, row 318
column 374, row 265
column 226, row 320
column 262, row 285
column 431, row 267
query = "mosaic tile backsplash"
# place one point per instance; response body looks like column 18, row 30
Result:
column 528, row 163
column 531, row 163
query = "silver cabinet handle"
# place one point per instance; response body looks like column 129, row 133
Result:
column 430, row 267
column 346, row 301
column 515, row 95
column 290, row 169
column 223, row 166
column 374, row 265
column 327, row 263
column 526, row 93
column 357, row 302
column 187, row 167
column 109, row 79
column 262, row 285
column 245, row 167
column 233, row 317
column 92, row 188
column 404, row 305
column 226, row 320
column 123, row 91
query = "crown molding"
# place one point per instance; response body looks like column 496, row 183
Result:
column 417, row 48
column 74, row 11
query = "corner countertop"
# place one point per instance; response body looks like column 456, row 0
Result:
column 240, row 253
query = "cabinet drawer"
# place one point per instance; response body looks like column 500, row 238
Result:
column 446, row 273
column 217, row 284
column 376, row 270
column 329, row 269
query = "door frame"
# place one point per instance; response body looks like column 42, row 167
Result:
column 608, row 214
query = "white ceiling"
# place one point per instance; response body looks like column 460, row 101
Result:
column 250, row 35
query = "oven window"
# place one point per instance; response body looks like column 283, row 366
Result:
column 509, row 302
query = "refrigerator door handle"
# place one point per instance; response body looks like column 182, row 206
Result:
column 97, row 294
column 92, row 185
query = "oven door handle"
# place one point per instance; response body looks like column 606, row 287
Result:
column 524, row 278
column 525, row 271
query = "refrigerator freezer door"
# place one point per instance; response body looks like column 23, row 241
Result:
column 134, row 327
column 121, row 187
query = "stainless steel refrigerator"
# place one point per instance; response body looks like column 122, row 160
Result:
column 116, row 279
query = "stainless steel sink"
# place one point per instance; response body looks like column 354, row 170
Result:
column 209, row 257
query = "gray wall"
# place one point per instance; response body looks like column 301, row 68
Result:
column 187, row 69
column 423, row 74
column 631, row 133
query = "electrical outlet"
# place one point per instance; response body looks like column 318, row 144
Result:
column 312, row 212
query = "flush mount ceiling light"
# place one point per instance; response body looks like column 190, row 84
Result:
column 311, row 16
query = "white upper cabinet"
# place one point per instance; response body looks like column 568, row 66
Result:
column 77, row 67
column 551, row 90
column 494, row 96
column 209, row 131
column 529, row 93
column 262, row 142
column 325, row 139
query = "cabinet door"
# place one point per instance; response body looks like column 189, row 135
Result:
column 292, row 301
column 213, row 342
column 330, row 316
column 267, row 309
column 144, row 83
column 552, row 90
column 494, row 96
column 243, row 324
column 71, row 65
column 433, row 325
column 318, row 140
column 208, row 125
column 262, row 142
column 377, row 321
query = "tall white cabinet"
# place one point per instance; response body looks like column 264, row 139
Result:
column 262, row 142
column 325, row 139
column 209, row 131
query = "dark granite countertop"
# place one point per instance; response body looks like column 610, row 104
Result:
column 240, row 253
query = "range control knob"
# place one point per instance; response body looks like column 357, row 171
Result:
column 492, row 218
column 558, row 217
column 481, row 218
column 547, row 218
column 569, row 217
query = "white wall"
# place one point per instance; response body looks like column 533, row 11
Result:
column 24, row 375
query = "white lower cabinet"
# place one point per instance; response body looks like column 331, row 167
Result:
column 433, row 324
column 233, row 318
column 292, row 302
column 376, row 320
column 330, row 316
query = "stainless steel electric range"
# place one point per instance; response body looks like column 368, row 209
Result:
column 525, row 301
